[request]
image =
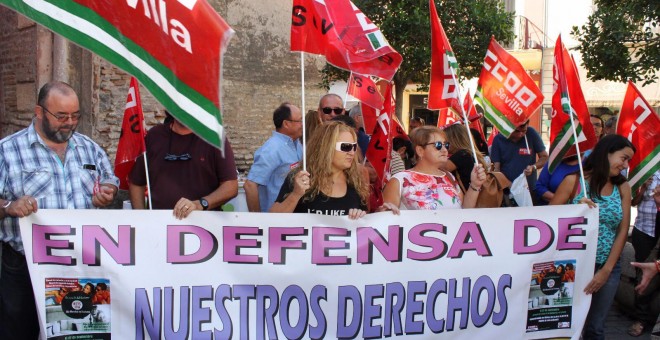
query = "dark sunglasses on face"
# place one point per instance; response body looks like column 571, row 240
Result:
column 439, row 145
column 346, row 147
column 328, row 110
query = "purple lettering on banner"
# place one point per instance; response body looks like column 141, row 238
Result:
column 414, row 307
column 244, row 293
column 438, row 287
column 95, row 237
column 222, row 294
column 42, row 245
column 294, row 331
column 372, row 311
column 395, row 299
column 201, row 315
column 390, row 249
column 318, row 293
column 176, row 245
column 346, row 294
column 483, row 285
column 469, row 237
column 266, row 314
column 417, row 235
column 521, row 236
column 145, row 316
column 321, row 245
column 504, row 283
column 566, row 231
column 456, row 303
column 278, row 244
column 184, row 316
column 232, row 244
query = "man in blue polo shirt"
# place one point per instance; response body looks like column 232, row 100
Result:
column 273, row 160
column 522, row 152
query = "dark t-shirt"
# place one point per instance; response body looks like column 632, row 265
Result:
column 192, row 179
column 464, row 164
column 322, row 204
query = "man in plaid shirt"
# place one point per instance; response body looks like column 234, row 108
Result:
column 47, row 165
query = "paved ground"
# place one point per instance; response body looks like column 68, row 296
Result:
column 617, row 326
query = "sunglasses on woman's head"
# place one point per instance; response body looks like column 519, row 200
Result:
column 439, row 145
column 346, row 147
column 328, row 110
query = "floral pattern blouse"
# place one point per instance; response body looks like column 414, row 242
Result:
column 428, row 192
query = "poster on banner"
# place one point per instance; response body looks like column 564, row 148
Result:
column 454, row 274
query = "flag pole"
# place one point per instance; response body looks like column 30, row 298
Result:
column 577, row 146
column 465, row 117
column 304, row 112
column 146, row 169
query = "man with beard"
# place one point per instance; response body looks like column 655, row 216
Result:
column 45, row 166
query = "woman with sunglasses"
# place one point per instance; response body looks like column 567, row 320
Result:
column 334, row 184
column 425, row 186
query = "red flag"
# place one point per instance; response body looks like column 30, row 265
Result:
column 507, row 93
column 131, row 140
column 369, row 115
column 344, row 35
column 494, row 132
column 379, row 152
column 447, row 117
column 568, row 101
column 474, row 116
column 364, row 89
column 641, row 125
column 398, row 130
column 443, row 90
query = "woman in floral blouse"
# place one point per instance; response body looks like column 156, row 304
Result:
column 425, row 186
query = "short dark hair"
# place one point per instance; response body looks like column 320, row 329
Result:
column 45, row 90
column 282, row 113
column 346, row 120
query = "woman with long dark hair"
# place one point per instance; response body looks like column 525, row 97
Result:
column 610, row 191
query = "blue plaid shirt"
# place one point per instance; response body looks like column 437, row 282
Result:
column 29, row 167
column 646, row 210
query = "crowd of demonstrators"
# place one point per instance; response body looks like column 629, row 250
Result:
column 610, row 191
column 523, row 152
column 461, row 159
column 185, row 172
column 47, row 165
column 333, row 183
column 426, row 186
column 274, row 159
column 644, row 238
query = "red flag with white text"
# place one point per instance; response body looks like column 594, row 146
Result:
column 568, row 101
column 379, row 152
column 443, row 90
column 506, row 92
column 131, row 140
column 447, row 117
column 641, row 125
column 344, row 35
column 364, row 89
column 369, row 116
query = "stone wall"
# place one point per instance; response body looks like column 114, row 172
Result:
column 259, row 73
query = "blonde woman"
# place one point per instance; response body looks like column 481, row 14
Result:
column 334, row 184
column 425, row 186
column 461, row 159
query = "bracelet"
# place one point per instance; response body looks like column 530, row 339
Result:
column 475, row 189
column 657, row 265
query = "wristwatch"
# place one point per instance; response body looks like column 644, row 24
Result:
column 204, row 203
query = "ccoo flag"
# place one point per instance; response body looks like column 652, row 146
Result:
column 507, row 93
column 443, row 90
column 131, row 140
column 641, row 125
column 174, row 48
column 344, row 35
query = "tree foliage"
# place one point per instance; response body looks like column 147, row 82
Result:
column 621, row 40
column 469, row 24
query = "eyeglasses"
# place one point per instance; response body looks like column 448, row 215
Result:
column 63, row 118
column 172, row 157
column 337, row 110
column 294, row 120
column 346, row 147
column 439, row 145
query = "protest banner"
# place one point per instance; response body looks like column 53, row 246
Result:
column 459, row 274
column 173, row 48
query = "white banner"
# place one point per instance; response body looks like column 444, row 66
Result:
column 515, row 273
